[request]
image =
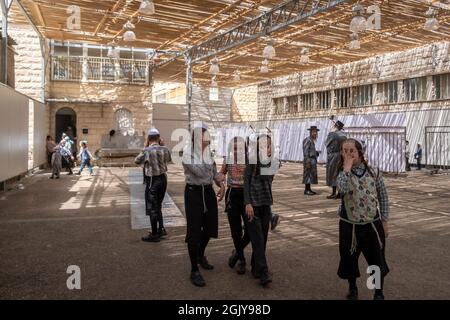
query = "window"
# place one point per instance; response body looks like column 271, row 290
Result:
column 279, row 105
column 60, row 50
column 292, row 104
column 342, row 97
column 441, row 84
column 324, row 99
column 387, row 92
column 307, row 101
column 362, row 96
column 75, row 50
column 415, row 89
column 214, row 94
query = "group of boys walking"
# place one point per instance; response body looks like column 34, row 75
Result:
column 247, row 190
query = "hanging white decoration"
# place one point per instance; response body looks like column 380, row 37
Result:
column 237, row 76
column 269, row 50
column 113, row 53
column 147, row 7
column 265, row 66
column 358, row 23
column 213, row 82
column 355, row 44
column 129, row 35
column 432, row 24
column 214, row 68
column 304, row 56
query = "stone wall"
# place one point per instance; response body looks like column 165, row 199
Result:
column 95, row 106
column 245, row 104
column 28, row 61
column 422, row 61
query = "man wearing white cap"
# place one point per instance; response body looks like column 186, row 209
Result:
column 154, row 157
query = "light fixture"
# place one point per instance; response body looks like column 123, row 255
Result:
column 304, row 56
column 358, row 23
column 214, row 68
column 213, row 82
column 237, row 76
column 265, row 66
column 432, row 24
column 354, row 44
column 129, row 35
column 269, row 50
column 147, row 7
column 113, row 51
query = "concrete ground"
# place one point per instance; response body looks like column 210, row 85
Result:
column 50, row 224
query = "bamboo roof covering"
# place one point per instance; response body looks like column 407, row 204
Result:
column 179, row 24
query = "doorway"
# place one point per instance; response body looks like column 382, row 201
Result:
column 65, row 122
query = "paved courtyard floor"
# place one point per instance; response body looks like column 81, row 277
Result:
column 96, row 223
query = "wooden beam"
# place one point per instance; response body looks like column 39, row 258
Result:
column 102, row 22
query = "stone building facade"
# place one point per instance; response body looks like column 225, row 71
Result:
column 402, row 81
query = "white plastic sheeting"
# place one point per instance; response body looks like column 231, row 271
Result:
column 16, row 142
column 40, row 132
column 385, row 149
column 14, row 110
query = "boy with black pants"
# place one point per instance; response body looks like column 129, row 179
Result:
column 155, row 158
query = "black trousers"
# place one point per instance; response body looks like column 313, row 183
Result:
column 202, row 218
column 258, row 230
column 155, row 189
column 419, row 164
column 235, row 209
column 367, row 243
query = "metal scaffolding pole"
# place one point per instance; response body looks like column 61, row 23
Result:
column 5, row 5
column 278, row 18
column 189, row 89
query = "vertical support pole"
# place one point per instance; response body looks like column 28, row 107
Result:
column 4, row 56
column 189, row 89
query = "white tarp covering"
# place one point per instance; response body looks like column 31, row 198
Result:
column 385, row 148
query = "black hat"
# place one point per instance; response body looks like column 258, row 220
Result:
column 339, row 125
column 313, row 128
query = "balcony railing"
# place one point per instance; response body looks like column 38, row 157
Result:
column 96, row 69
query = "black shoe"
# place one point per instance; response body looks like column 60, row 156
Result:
column 352, row 294
column 241, row 267
column 51, row 177
column 162, row 232
column 309, row 193
column 151, row 238
column 378, row 296
column 70, row 173
column 57, row 177
column 265, row 279
column 313, row 192
column 339, row 196
column 233, row 259
column 78, row 173
column 332, row 196
column 197, row 279
column 255, row 274
column 274, row 222
column 203, row 262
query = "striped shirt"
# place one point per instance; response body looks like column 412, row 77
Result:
column 257, row 188
column 155, row 159
column 343, row 185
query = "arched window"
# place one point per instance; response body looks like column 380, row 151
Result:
column 124, row 122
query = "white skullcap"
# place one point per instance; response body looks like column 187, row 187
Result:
column 153, row 132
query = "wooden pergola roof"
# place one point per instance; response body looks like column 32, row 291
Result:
column 179, row 24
